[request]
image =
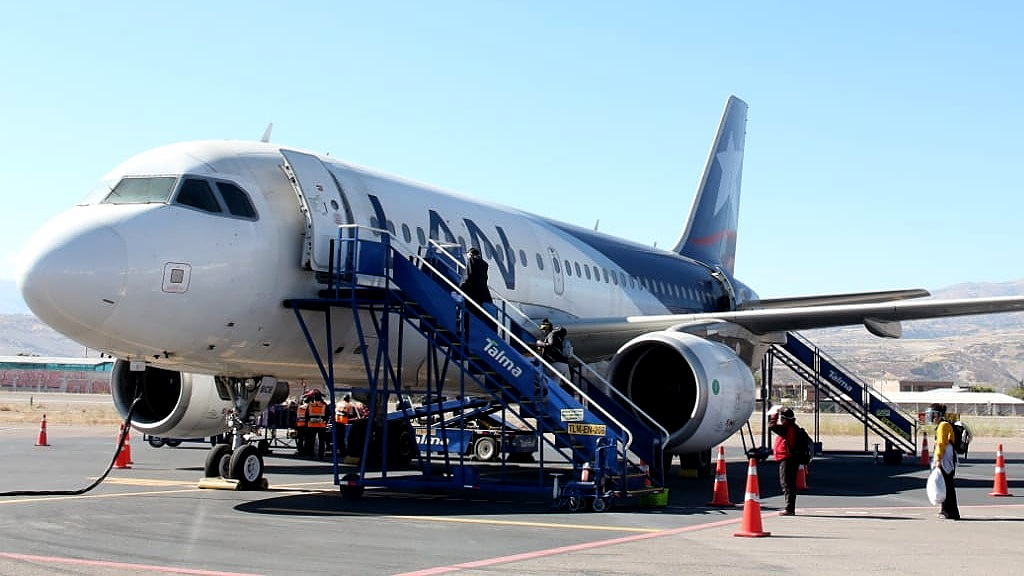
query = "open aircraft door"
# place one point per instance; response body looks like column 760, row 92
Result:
column 321, row 203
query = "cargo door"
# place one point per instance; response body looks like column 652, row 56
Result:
column 321, row 203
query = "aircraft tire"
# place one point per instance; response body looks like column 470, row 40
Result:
column 155, row 442
column 217, row 460
column 246, row 466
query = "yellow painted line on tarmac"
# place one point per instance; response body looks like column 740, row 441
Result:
column 24, row 500
column 147, row 482
column 445, row 519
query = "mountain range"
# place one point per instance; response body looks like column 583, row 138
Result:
column 985, row 350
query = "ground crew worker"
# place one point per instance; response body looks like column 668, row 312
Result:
column 300, row 427
column 349, row 412
column 316, row 425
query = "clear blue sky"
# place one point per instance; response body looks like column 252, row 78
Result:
column 882, row 143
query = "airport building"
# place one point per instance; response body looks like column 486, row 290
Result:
column 55, row 374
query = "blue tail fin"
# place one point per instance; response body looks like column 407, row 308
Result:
column 710, row 233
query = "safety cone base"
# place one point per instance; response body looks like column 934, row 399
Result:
column 999, row 494
column 752, row 534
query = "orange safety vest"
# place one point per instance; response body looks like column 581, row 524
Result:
column 300, row 416
column 342, row 416
column 316, row 413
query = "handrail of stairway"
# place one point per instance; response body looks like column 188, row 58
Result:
column 593, row 375
column 529, row 349
column 864, row 385
column 855, row 408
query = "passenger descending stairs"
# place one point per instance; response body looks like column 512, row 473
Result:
column 868, row 405
column 508, row 369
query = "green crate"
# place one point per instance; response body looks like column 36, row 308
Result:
column 655, row 499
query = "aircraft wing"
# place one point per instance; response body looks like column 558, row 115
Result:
column 601, row 337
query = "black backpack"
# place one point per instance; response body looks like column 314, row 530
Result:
column 961, row 438
column 803, row 451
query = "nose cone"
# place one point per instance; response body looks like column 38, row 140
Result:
column 71, row 274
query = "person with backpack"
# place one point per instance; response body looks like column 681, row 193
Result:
column 791, row 449
column 945, row 458
column 554, row 346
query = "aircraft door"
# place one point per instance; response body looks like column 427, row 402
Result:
column 556, row 271
column 321, row 203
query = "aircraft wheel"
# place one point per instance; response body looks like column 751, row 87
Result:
column 246, row 466
column 173, row 443
column 350, row 492
column 217, row 460
column 485, row 449
column 155, row 442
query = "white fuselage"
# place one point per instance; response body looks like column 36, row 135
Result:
column 189, row 290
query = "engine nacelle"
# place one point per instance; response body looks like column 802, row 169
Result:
column 175, row 404
column 700, row 391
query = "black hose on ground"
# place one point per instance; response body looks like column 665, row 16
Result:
column 98, row 481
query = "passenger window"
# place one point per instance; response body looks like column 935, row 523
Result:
column 540, row 263
column 406, row 233
column 421, row 236
column 568, row 268
column 236, row 200
column 198, row 194
column 558, row 269
column 576, row 265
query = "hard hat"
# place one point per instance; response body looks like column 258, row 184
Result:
column 545, row 324
column 787, row 414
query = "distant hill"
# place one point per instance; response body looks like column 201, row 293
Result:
column 975, row 350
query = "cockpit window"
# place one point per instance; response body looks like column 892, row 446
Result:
column 236, row 200
column 197, row 193
column 141, row 190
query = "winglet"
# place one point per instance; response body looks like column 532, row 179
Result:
column 266, row 133
column 710, row 232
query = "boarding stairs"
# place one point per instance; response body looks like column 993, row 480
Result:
column 492, row 352
column 830, row 379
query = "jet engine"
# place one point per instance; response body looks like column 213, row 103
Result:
column 176, row 404
column 700, row 391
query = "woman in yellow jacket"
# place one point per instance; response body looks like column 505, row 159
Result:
column 945, row 458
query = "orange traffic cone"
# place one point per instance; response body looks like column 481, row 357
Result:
column 41, row 439
column 999, row 485
column 122, row 459
column 925, row 459
column 721, row 494
column 801, row 477
column 752, row 506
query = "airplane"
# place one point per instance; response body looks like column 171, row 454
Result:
column 177, row 265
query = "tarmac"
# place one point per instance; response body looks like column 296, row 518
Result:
column 858, row 514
